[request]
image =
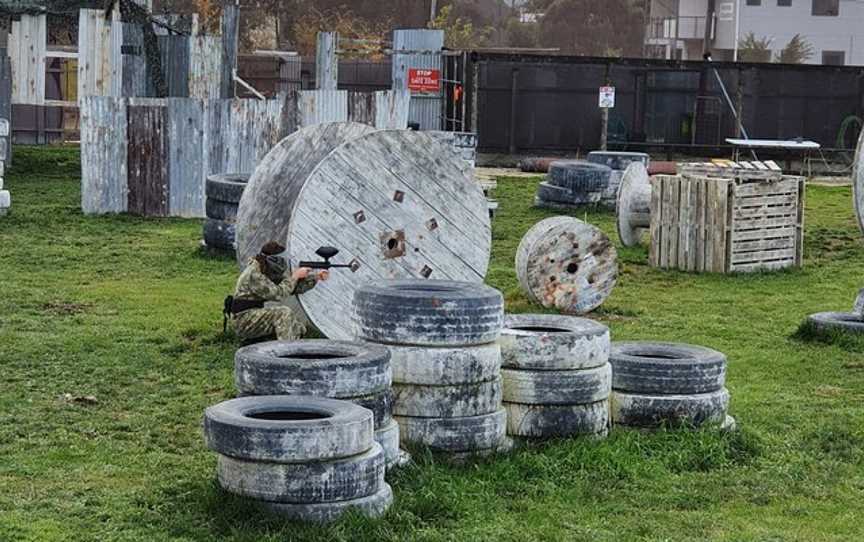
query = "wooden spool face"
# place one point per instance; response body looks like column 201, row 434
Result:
column 397, row 204
column 858, row 182
column 264, row 212
column 566, row 264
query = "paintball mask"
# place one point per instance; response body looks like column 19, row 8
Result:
column 276, row 266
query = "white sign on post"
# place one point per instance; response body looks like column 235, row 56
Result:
column 607, row 97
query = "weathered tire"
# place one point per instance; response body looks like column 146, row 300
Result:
column 388, row 438
column 578, row 176
column 643, row 410
column 373, row 506
column 221, row 210
column 380, row 404
column 618, row 161
column 335, row 369
column 566, row 264
column 557, row 387
column 549, row 193
column 609, row 197
column 314, row 482
column 466, row 434
column 219, row 234
column 447, row 401
column 332, row 429
column 844, row 322
column 227, row 187
column 445, row 366
column 429, row 313
column 666, row 368
column 547, row 342
column 552, row 421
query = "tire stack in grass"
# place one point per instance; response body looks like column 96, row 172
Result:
column 573, row 183
column 223, row 193
column 350, row 371
column 556, row 376
column 828, row 324
column 306, row 458
column 446, row 362
column 617, row 162
column 658, row 384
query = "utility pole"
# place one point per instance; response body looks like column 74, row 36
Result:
column 433, row 11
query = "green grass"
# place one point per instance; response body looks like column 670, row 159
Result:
column 128, row 311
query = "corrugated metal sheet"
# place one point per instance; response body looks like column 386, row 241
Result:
column 133, row 61
column 319, row 106
column 27, row 44
column 174, row 53
column 99, row 54
column 193, row 138
column 290, row 74
column 392, row 109
column 205, row 67
column 104, row 187
column 421, row 46
column 327, row 61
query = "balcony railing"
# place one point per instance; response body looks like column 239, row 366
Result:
column 684, row 28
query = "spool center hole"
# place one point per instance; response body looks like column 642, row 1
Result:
column 288, row 415
column 572, row 268
column 392, row 244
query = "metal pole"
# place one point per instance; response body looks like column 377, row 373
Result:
column 737, row 29
column 433, row 11
column 514, row 107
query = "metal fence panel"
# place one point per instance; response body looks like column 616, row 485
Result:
column 319, row 106
column 104, row 186
column 186, row 156
column 423, row 51
column 205, row 66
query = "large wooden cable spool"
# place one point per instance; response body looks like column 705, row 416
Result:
column 634, row 204
column 566, row 264
column 268, row 200
column 396, row 203
column 858, row 181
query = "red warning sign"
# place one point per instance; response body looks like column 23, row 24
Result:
column 424, row 80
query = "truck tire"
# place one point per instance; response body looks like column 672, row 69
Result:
column 373, row 506
column 578, row 176
column 219, row 235
column 651, row 411
column 220, row 210
column 447, row 401
column 429, row 313
column 288, row 429
column 843, row 322
column 666, row 368
column 227, row 187
column 467, row 434
column 557, row 387
column 557, row 421
column 548, row 342
column 445, row 366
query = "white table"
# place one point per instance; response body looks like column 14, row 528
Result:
column 805, row 147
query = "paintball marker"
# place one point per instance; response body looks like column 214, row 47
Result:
column 326, row 253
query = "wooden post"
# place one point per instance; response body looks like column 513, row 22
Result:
column 327, row 61
column 514, row 108
column 739, row 104
column 604, row 128
column 230, row 37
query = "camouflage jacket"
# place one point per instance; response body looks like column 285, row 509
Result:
column 253, row 284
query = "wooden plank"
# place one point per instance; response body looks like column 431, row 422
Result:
column 104, row 186
column 701, row 212
column 763, row 245
column 683, row 256
column 758, row 223
column 655, row 227
column 773, row 232
column 788, row 185
column 761, row 266
column 802, row 193
column 149, row 188
column 666, row 217
column 674, row 219
column 765, row 255
column 767, row 201
column 724, row 226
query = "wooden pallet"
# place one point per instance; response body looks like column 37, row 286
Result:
column 703, row 223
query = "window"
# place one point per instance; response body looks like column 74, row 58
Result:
column 754, row 2
column 826, row 8
column 784, row 3
column 834, row 58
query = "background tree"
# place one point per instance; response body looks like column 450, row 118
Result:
column 797, row 51
column 592, row 27
column 753, row 49
column 459, row 33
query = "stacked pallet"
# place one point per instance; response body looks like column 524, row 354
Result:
column 350, row 371
column 305, row 458
column 5, row 197
column 556, row 376
column 726, row 219
column 446, row 362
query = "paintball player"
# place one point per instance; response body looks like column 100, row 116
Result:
column 264, row 280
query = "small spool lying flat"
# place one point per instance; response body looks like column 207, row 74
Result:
column 397, row 205
column 634, row 204
column 858, row 182
column 265, row 209
column 566, row 264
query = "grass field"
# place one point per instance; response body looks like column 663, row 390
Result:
column 128, row 311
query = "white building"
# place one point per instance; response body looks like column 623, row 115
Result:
column 686, row 28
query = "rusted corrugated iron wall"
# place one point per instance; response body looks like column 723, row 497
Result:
column 422, row 50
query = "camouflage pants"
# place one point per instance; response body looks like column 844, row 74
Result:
column 280, row 321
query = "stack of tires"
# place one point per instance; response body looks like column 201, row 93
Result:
column 351, row 371
column 617, row 162
column 658, row 384
column 446, row 362
column 571, row 183
column 223, row 193
column 556, row 376
column 306, row 458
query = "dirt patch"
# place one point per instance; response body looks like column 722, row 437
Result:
column 65, row 308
